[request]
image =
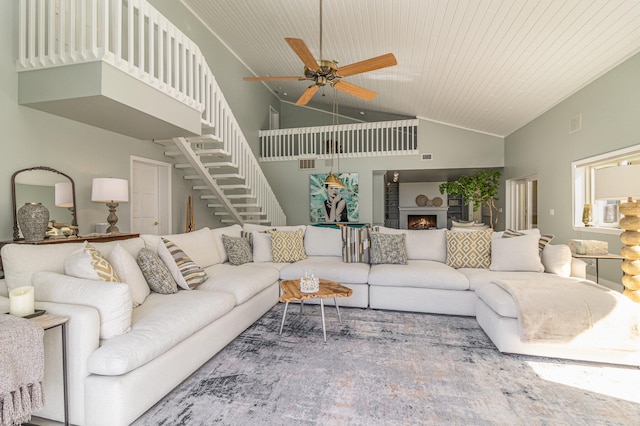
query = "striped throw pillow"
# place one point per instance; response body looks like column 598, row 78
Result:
column 187, row 274
column 355, row 244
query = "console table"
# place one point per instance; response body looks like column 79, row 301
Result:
column 77, row 239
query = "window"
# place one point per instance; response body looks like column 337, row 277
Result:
column 604, row 215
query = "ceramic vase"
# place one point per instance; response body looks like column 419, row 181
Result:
column 33, row 219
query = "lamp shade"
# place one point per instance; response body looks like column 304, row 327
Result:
column 618, row 182
column 110, row 190
column 63, row 194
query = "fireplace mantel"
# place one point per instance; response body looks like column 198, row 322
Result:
column 439, row 212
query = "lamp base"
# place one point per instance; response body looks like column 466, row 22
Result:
column 631, row 250
column 112, row 219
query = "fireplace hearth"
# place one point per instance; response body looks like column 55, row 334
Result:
column 422, row 221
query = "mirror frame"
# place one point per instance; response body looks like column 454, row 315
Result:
column 74, row 219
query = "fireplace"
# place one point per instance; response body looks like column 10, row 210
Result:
column 423, row 217
column 422, row 221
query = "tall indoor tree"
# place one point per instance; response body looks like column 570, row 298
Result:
column 480, row 189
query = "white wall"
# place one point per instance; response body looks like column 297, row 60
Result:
column 409, row 191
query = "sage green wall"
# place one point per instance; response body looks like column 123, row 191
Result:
column 33, row 138
column 610, row 108
column 451, row 147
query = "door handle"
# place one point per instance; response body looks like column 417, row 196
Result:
column 156, row 223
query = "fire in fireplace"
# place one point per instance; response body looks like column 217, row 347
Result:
column 422, row 221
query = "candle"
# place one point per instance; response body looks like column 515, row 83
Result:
column 21, row 301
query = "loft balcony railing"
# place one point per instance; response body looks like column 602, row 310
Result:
column 349, row 140
column 134, row 37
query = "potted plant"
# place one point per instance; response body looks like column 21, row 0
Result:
column 480, row 189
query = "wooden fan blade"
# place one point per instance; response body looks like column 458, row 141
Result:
column 272, row 78
column 371, row 64
column 354, row 90
column 307, row 95
column 303, row 53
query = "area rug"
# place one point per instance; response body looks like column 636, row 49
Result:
column 391, row 368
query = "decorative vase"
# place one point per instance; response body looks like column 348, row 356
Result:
column 33, row 219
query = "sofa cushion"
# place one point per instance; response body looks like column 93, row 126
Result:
column 234, row 231
column 388, row 248
column 497, row 299
column 356, row 245
column 186, row 272
column 87, row 262
column 328, row 267
column 129, row 272
column 428, row 244
column 200, row 245
column 478, row 276
column 322, row 241
column 158, row 325
column 238, row 249
column 111, row 300
column 418, row 273
column 516, row 254
column 156, row 273
column 469, row 249
column 243, row 281
column 287, row 246
column 261, row 247
column 557, row 259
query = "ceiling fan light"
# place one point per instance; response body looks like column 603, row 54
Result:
column 333, row 181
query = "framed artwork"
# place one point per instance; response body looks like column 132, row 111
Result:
column 333, row 204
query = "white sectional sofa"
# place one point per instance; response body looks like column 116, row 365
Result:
column 114, row 380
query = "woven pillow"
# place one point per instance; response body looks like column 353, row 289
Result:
column 238, row 249
column 388, row 248
column 287, row 246
column 156, row 272
column 355, row 244
column 88, row 263
column 187, row 274
column 469, row 249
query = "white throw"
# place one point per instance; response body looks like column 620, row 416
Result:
column 580, row 313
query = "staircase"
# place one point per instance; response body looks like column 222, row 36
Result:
column 134, row 38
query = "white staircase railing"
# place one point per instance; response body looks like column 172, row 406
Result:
column 349, row 140
column 134, row 37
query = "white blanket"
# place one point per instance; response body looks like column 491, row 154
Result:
column 580, row 313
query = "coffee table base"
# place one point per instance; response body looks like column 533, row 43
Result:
column 324, row 327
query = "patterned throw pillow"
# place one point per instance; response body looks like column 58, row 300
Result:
column 238, row 249
column 542, row 242
column 156, row 272
column 187, row 274
column 355, row 244
column 469, row 249
column 388, row 248
column 88, row 263
column 287, row 246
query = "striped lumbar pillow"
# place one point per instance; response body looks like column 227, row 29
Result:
column 355, row 244
column 187, row 274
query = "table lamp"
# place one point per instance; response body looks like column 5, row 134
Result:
column 63, row 195
column 623, row 183
column 111, row 191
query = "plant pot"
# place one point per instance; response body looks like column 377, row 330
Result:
column 33, row 219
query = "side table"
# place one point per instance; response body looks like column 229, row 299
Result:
column 597, row 257
column 47, row 322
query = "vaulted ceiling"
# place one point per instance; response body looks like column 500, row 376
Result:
column 486, row 65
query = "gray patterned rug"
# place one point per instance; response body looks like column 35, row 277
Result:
column 391, row 368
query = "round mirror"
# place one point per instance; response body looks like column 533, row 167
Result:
column 54, row 190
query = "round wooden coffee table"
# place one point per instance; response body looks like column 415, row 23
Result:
column 328, row 289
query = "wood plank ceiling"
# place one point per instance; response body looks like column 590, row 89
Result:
column 486, row 65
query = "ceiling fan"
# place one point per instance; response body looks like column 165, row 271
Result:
column 322, row 72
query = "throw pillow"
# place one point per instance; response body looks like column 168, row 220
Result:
column 129, row 272
column 516, row 254
column 261, row 242
column 544, row 239
column 557, row 259
column 469, row 249
column 187, row 274
column 238, row 249
column 388, row 248
column 287, row 246
column 156, row 272
column 88, row 263
column 355, row 244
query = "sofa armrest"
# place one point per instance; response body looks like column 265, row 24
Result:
column 578, row 268
column 111, row 300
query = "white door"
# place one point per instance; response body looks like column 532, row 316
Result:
column 150, row 197
column 523, row 203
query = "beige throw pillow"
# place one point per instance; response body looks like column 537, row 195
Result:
column 287, row 246
column 469, row 249
column 88, row 263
